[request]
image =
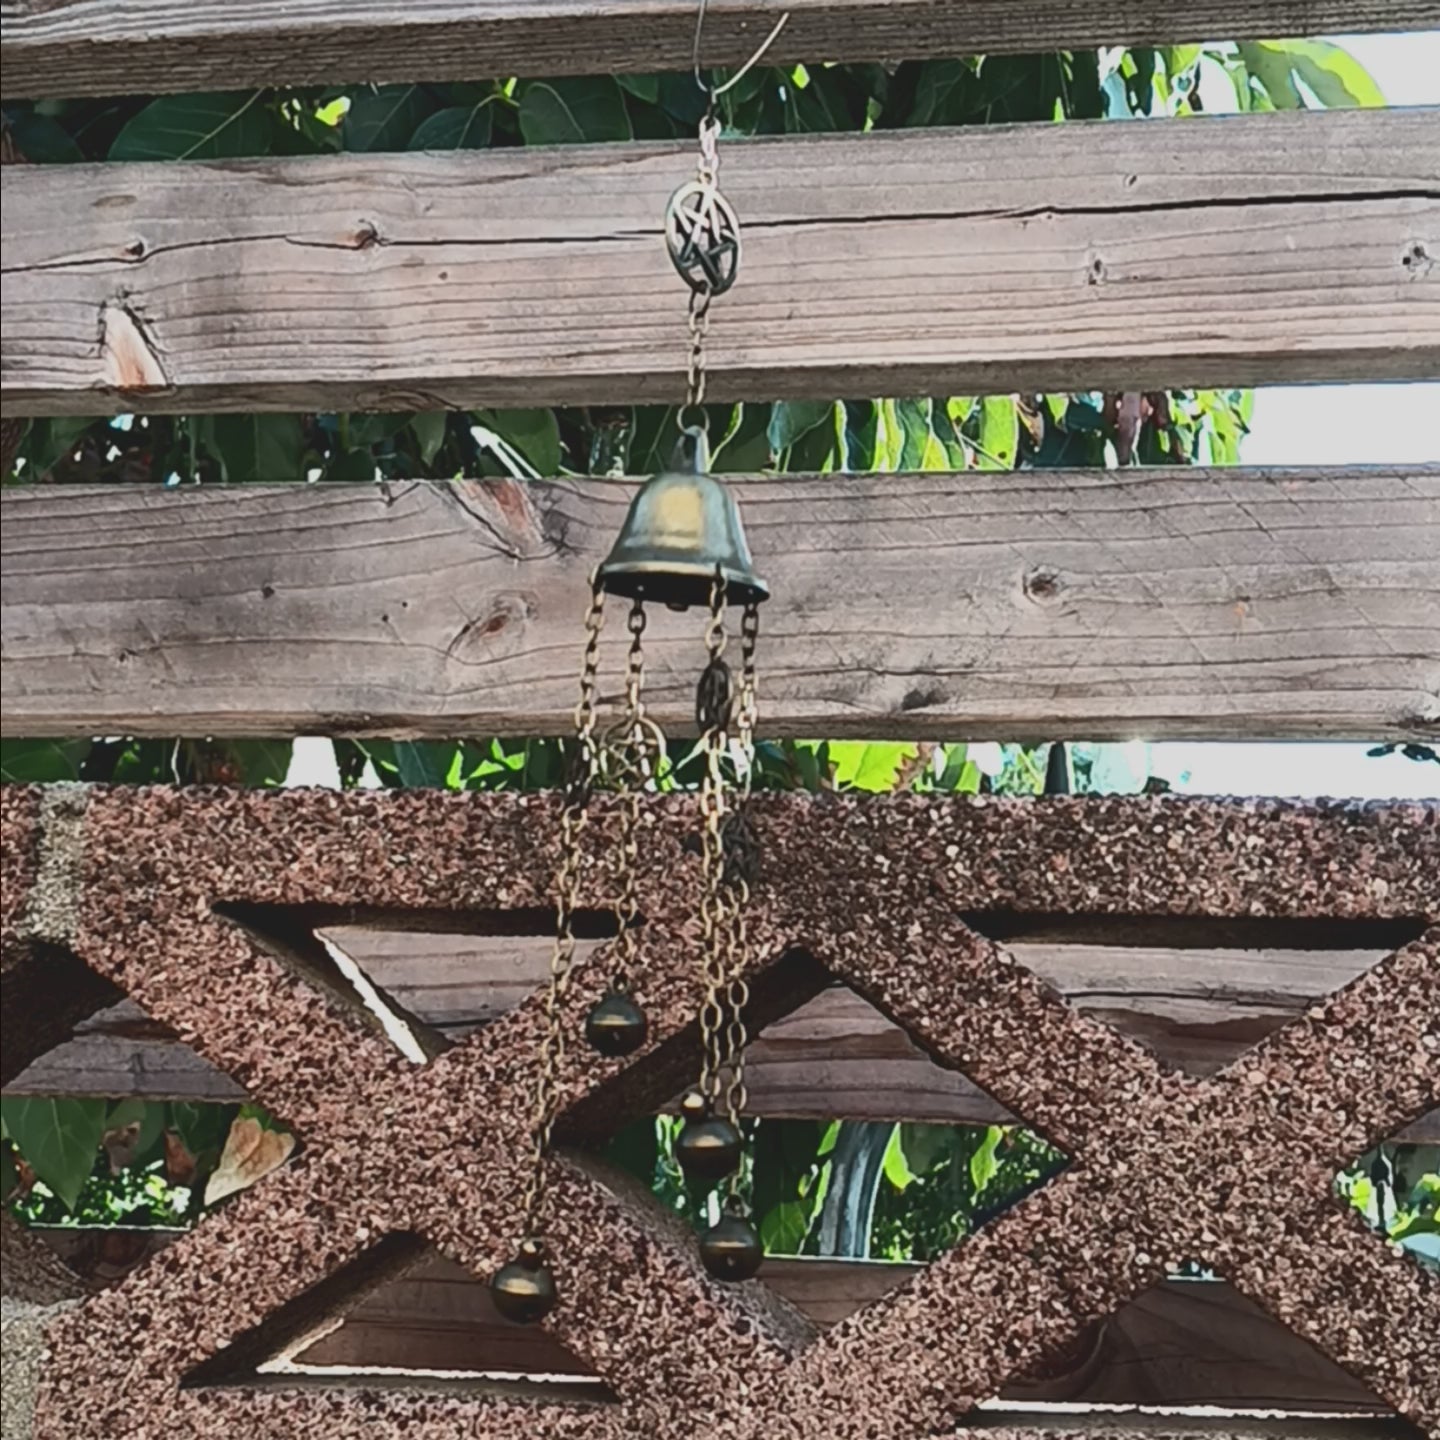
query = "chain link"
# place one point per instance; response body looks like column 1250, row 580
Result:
column 635, row 738
column 737, row 940
column 714, row 917
column 699, row 327
column 573, row 818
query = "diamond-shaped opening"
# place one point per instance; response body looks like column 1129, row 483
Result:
column 403, row 1316
column 1197, row 991
column 1395, row 1188
column 110, row 1119
column 1192, row 1347
column 859, row 1146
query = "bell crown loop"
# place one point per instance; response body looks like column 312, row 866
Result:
column 682, row 526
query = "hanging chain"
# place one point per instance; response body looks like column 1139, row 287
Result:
column 712, row 709
column 573, row 815
column 740, row 864
column 699, row 324
column 635, row 739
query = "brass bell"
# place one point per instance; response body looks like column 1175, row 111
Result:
column 731, row 1250
column 524, row 1290
column 681, row 526
column 708, row 1146
column 616, row 1025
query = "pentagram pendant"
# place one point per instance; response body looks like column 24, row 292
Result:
column 702, row 234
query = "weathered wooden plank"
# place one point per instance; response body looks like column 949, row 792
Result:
column 1163, row 603
column 835, row 1056
column 1051, row 257
column 103, row 47
column 1185, row 1343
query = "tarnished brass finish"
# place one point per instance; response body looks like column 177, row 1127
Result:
column 708, row 1146
column 730, row 1249
column 616, row 1025
column 524, row 1290
column 683, row 526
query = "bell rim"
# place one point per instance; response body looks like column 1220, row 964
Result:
column 741, row 587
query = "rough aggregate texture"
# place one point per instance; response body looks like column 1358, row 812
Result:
column 869, row 890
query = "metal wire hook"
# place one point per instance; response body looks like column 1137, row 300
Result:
column 714, row 92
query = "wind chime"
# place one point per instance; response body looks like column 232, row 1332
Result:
column 682, row 545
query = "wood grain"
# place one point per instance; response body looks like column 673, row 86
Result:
column 1184, row 1343
column 1232, row 251
column 104, row 47
column 1197, row 1009
column 1206, row 604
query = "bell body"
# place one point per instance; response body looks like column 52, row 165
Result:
column 708, row 1146
column 730, row 1249
column 524, row 1290
column 616, row 1025
column 682, row 526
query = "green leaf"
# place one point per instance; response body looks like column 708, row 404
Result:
column 429, row 427
column 58, row 1138
column 201, row 1127
column 260, row 762
column 866, row 765
column 376, row 428
column 259, row 447
column 895, row 1165
column 944, row 92
column 42, row 140
column 424, row 762
column 52, row 440
column 642, row 87
column 534, row 433
column 32, row 761
column 574, row 111
column 790, row 419
column 926, row 1145
column 920, row 448
column 9, row 1175
column 1336, row 78
column 461, row 127
column 783, row 1228
column 125, row 1112
column 197, row 127
column 386, row 118
column 999, row 432
column 984, row 1163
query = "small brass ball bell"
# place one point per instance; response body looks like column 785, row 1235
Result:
column 730, row 1249
column 708, row 1146
column 616, row 1025
column 524, row 1290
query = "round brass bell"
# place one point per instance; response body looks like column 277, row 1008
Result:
column 708, row 1146
column 524, row 1290
column 616, row 1025
column 682, row 525
column 730, row 1249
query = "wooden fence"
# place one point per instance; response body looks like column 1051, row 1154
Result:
column 1192, row 603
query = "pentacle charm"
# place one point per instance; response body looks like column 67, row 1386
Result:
column 730, row 1249
column 616, row 1025
column 708, row 1146
column 702, row 234
column 524, row 1290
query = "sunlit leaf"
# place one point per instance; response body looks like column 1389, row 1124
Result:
column 1336, row 79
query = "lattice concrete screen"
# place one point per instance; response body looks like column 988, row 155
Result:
column 199, row 904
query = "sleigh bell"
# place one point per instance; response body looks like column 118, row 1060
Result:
column 682, row 525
